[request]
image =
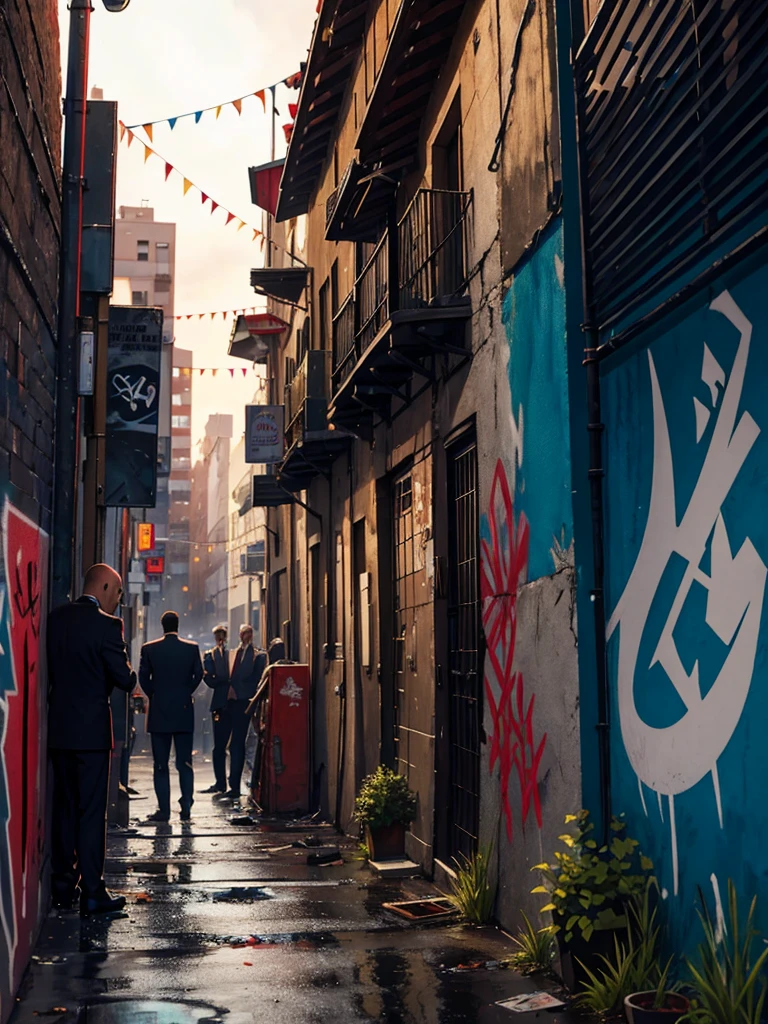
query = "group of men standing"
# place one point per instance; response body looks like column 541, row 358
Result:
column 87, row 659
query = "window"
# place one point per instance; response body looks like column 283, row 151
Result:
column 180, row 422
column 180, row 462
column 177, row 400
column 142, row 253
column 162, row 258
column 177, row 371
column 139, row 299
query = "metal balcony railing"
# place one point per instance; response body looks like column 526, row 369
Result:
column 306, row 397
column 432, row 271
column 432, row 249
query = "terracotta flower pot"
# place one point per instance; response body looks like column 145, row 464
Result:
column 639, row 1008
column 386, row 842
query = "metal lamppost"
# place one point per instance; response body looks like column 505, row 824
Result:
column 73, row 184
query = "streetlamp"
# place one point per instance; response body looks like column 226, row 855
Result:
column 73, row 184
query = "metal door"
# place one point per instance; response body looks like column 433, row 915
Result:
column 465, row 700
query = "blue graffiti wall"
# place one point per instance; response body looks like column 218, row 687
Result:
column 686, row 552
column 534, row 319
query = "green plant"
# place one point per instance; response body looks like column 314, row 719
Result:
column 385, row 798
column 536, row 948
column 634, row 966
column 729, row 988
column 471, row 892
column 590, row 885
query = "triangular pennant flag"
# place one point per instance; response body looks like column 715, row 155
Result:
column 204, row 198
column 293, row 109
column 245, row 370
column 214, row 206
column 189, row 316
column 256, row 234
column 230, row 217
column 218, row 111
column 130, row 138
column 148, row 129
column 225, row 314
column 261, row 96
column 187, row 185
column 238, row 105
column 202, row 372
column 147, row 152
column 261, row 243
column 214, row 372
column 212, row 315
column 241, row 225
column 172, row 122
column 231, row 372
column 122, row 130
column 168, row 169
column 200, row 316
column 198, row 115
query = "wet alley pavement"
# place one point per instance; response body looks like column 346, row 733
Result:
column 231, row 923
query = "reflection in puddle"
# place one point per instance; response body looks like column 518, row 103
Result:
column 148, row 1012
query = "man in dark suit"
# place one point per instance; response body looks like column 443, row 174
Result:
column 87, row 658
column 246, row 668
column 170, row 671
column 216, row 676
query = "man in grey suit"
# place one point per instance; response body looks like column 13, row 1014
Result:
column 169, row 673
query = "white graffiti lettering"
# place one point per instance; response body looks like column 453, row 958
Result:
column 132, row 393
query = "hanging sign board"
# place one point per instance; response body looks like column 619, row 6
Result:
column 156, row 566
column 145, row 537
column 133, row 395
column 264, row 433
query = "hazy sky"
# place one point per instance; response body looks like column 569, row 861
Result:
column 161, row 58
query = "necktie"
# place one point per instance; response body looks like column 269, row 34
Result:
column 238, row 659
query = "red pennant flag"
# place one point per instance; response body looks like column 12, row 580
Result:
column 200, row 316
column 204, row 197
column 122, row 130
column 238, row 105
column 214, row 206
column 225, row 314
column 256, row 234
column 293, row 109
column 168, row 169
column 245, row 370
column 260, row 96
column 202, row 372
column 189, row 316
column 230, row 218
column 212, row 315
column 231, row 372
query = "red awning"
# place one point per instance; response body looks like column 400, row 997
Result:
column 265, row 185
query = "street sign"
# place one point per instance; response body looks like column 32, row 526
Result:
column 155, row 566
column 145, row 537
column 133, row 397
column 264, row 433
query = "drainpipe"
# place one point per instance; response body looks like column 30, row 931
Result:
column 596, row 472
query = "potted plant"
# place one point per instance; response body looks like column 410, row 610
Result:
column 588, row 889
column 728, row 982
column 385, row 806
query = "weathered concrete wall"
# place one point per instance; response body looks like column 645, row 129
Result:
column 30, row 126
column 687, row 557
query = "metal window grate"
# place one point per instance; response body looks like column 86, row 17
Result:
column 673, row 121
column 404, row 603
column 464, row 683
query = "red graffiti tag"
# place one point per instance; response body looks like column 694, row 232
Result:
column 504, row 562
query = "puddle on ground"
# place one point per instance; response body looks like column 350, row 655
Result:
column 146, row 1011
column 242, row 894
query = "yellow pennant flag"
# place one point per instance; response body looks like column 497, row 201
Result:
column 147, row 152
column 238, row 105
column 148, row 129
column 241, row 224
column 187, row 185
column 256, row 234
column 218, row 111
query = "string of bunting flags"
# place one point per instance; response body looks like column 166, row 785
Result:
column 291, row 82
column 224, row 314
column 190, row 371
column 130, row 135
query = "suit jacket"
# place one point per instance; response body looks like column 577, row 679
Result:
column 170, row 671
column 216, row 666
column 87, row 659
column 245, row 679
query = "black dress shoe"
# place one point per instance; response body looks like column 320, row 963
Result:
column 214, row 789
column 231, row 795
column 185, row 814
column 101, row 903
column 159, row 816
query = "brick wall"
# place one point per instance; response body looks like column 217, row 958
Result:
column 30, row 158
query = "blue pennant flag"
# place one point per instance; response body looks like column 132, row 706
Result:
column 198, row 115
column 172, row 122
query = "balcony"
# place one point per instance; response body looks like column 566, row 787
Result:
column 408, row 305
column 311, row 445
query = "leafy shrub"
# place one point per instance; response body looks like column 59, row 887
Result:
column 384, row 799
column 535, row 948
column 471, row 891
column 590, row 885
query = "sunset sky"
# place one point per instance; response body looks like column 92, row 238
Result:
column 162, row 58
